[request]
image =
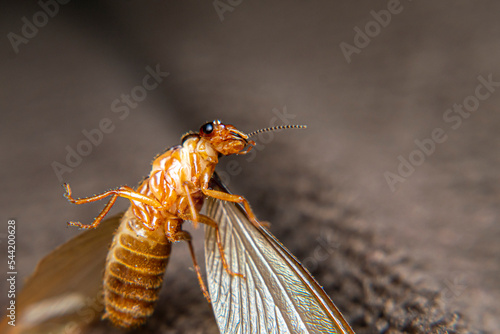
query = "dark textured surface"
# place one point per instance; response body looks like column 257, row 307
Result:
column 403, row 261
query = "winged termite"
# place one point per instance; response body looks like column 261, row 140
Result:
column 256, row 285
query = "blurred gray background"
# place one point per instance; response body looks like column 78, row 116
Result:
column 421, row 258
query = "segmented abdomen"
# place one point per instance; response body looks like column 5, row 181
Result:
column 134, row 272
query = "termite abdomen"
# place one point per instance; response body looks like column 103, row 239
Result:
column 134, row 272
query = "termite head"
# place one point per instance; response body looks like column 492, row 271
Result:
column 225, row 138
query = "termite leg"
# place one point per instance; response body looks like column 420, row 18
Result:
column 206, row 176
column 235, row 199
column 185, row 236
column 192, row 208
column 210, row 222
column 97, row 219
column 123, row 191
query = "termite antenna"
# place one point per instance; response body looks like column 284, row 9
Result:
column 278, row 127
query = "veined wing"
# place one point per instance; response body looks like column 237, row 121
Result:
column 63, row 295
column 277, row 295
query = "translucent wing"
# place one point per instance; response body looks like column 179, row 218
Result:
column 63, row 295
column 278, row 295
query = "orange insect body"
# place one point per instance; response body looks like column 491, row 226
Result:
column 134, row 272
column 179, row 174
column 173, row 192
column 139, row 254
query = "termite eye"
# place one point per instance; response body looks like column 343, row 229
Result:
column 207, row 128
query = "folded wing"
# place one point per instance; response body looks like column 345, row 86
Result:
column 64, row 295
column 277, row 295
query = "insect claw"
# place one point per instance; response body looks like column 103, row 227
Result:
column 207, row 297
column 232, row 273
column 67, row 190
column 265, row 224
column 67, row 194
